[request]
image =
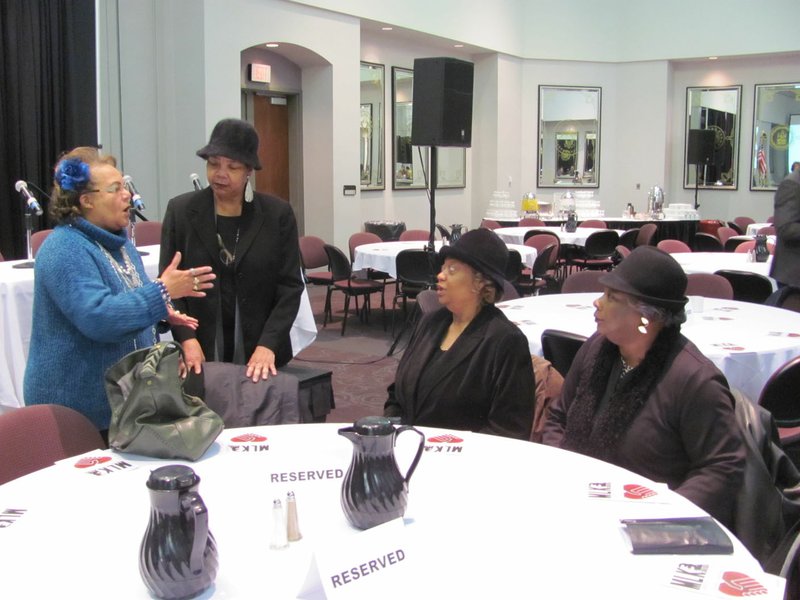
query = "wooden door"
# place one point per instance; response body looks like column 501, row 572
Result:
column 272, row 125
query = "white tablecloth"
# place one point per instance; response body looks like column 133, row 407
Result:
column 381, row 256
column 16, row 300
column 747, row 341
column 516, row 235
column 487, row 517
column 710, row 262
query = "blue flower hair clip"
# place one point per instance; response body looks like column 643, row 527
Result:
column 72, row 174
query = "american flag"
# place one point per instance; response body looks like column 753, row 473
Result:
column 761, row 159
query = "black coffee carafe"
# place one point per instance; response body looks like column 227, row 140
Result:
column 374, row 491
column 761, row 250
column 178, row 554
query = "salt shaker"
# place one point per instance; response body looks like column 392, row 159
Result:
column 278, row 539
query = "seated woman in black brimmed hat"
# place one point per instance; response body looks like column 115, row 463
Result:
column 467, row 366
column 642, row 396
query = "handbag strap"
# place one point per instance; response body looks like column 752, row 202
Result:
column 149, row 366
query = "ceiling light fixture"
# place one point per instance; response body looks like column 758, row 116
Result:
column 387, row 28
column 458, row 45
column 713, row 57
column 272, row 45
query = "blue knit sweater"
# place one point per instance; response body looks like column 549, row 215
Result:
column 85, row 318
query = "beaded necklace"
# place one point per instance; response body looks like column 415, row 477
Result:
column 626, row 368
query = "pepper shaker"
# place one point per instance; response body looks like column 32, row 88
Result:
column 292, row 527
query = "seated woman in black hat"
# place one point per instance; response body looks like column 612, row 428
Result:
column 642, row 396
column 467, row 366
column 251, row 241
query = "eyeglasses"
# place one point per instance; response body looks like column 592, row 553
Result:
column 112, row 189
column 225, row 255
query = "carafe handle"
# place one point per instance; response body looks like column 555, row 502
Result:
column 421, row 447
column 196, row 510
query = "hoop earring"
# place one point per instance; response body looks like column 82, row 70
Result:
column 248, row 192
column 643, row 327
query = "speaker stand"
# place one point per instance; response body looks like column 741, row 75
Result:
column 434, row 165
column 696, row 184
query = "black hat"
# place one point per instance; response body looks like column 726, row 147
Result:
column 652, row 276
column 482, row 250
column 234, row 139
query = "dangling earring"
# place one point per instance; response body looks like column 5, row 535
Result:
column 248, row 192
column 643, row 327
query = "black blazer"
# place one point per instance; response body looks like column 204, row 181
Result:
column 786, row 261
column 267, row 267
column 484, row 382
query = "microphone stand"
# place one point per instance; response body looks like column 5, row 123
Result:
column 133, row 213
column 28, row 232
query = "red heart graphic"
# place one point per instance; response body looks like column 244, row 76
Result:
column 249, row 437
column 91, row 461
column 635, row 491
column 740, row 585
column 445, row 439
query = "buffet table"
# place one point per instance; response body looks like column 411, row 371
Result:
column 487, row 517
column 16, row 300
column 747, row 341
column 381, row 256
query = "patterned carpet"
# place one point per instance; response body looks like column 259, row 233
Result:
column 361, row 369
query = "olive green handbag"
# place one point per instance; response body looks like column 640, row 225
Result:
column 150, row 413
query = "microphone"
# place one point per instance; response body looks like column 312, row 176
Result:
column 196, row 182
column 32, row 203
column 136, row 199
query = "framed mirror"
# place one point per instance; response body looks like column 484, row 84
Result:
column 717, row 109
column 373, row 92
column 569, row 136
column 776, row 134
column 410, row 164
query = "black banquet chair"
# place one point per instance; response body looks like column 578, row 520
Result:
column 780, row 398
column 350, row 286
column 560, row 348
column 416, row 272
column 705, row 242
column 747, row 286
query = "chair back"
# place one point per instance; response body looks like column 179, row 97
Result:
column 601, row 244
column 428, row 301
column 543, row 238
column 416, row 268
column 709, row 285
column 736, row 228
column 531, row 222
column 361, row 237
column 415, row 235
column 595, row 223
column 743, row 222
column 787, row 297
column 560, row 348
column 646, row 235
column 747, row 286
column 723, row 233
column 748, row 245
column 583, row 281
column 705, row 242
column 490, row 224
column 545, row 261
column 779, row 395
column 672, row 246
column 513, row 266
column 34, row 437
column 148, row 233
column 768, row 230
column 37, row 238
column 628, row 238
column 312, row 252
column 338, row 263
column 734, row 242
column 620, row 253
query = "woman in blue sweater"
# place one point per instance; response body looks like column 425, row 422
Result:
column 93, row 302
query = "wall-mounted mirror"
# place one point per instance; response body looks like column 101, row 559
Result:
column 776, row 134
column 717, row 109
column 411, row 163
column 371, row 130
column 569, row 136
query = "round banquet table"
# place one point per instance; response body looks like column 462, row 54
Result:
column 487, row 517
column 381, row 255
column 747, row 342
column 516, row 235
column 710, row 262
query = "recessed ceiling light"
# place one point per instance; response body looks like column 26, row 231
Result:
column 713, row 57
column 387, row 28
column 272, row 45
column 458, row 45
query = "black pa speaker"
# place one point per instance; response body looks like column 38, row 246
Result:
column 442, row 114
column 700, row 147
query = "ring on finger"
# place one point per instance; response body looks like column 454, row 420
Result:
column 195, row 281
column 195, row 288
column 192, row 272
